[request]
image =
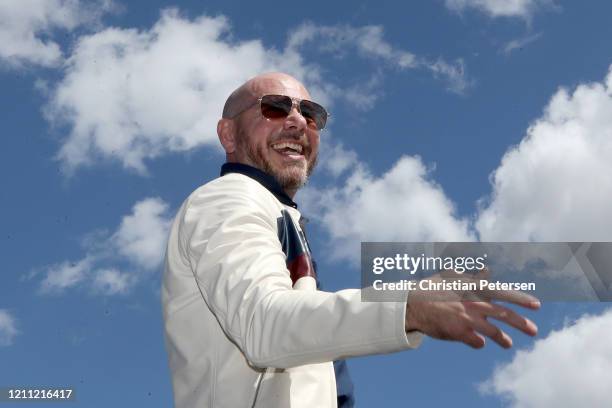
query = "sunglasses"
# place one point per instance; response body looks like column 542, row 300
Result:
column 279, row 106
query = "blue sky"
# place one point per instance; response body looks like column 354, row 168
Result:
column 452, row 120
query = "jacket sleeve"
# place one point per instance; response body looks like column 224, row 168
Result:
column 231, row 244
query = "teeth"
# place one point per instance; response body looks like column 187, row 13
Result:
column 284, row 145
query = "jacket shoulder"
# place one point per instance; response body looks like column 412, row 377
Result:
column 234, row 191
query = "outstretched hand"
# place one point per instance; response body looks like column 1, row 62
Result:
column 463, row 315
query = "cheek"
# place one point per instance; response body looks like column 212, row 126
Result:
column 257, row 140
column 260, row 135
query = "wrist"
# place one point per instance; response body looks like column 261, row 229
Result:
column 410, row 322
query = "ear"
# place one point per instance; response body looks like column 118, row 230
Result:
column 225, row 131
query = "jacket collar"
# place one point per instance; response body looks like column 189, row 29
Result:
column 262, row 178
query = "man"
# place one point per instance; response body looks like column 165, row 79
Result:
column 245, row 325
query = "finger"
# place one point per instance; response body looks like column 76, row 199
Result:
column 507, row 316
column 472, row 339
column 473, row 297
column 493, row 332
column 514, row 296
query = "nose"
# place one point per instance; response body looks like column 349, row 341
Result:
column 295, row 120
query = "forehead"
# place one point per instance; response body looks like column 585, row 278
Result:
column 279, row 86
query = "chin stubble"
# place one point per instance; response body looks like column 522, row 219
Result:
column 286, row 177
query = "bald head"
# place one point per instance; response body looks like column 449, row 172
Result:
column 246, row 95
column 249, row 137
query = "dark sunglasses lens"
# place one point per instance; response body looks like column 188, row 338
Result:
column 275, row 106
column 314, row 113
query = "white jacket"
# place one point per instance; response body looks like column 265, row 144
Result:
column 239, row 332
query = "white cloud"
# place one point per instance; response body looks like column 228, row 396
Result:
column 501, row 8
column 8, row 329
column 454, row 74
column 65, row 275
column 111, row 281
column 403, row 204
column 335, row 158
column 26, row 25
column 142, row 236
column 363, row 95
column 554, row 185
column 569, row 368
column 139, row 241
column 369, row 42
column 135, row 95
column 519, row 43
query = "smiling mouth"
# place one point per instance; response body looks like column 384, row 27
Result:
column 288, row 149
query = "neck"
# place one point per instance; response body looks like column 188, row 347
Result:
column 291, row 192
